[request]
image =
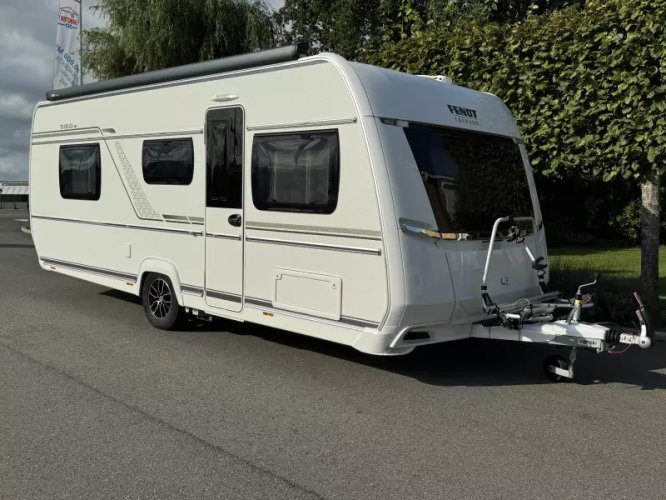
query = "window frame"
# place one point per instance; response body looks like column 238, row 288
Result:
column 171, row 139
column 95, row 196
column 334, row 175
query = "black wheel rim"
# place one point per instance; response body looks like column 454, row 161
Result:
column 159, row 298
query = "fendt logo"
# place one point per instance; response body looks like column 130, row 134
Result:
column 68, row 18
column 464, row 115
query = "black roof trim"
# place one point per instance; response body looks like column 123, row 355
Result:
column 223, row 65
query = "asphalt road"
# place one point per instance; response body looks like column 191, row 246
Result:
column 96, row 403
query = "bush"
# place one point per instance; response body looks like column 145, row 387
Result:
column 586, row 84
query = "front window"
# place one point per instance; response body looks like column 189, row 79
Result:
column 471, row 178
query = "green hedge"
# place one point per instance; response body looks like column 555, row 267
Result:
column 587, row 84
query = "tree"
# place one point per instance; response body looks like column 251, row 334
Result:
column 354, row 28
column 153, row 34
column 347, row 27
column 586, row 84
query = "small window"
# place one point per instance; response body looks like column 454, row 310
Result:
column 298, row 172
column 80, row 172
column 168, row 161
column 224, row 158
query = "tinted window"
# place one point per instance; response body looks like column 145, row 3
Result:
column 168, row 161
column 80, row 172
column 224, row 158
column 296, row 172
column 471, row 178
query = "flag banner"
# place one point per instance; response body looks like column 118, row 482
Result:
column 67, row 72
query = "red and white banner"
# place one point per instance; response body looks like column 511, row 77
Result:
column 67, row 71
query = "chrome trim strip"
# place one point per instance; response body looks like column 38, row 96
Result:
column 347, row 320
column 223, row 236
column 431, row 233
column 315, row 230
column 313, row 123
column 325, row 246
column 90, row 269
column 192, row 290
column 216, row 294
column 126, row 226
column 122, row 136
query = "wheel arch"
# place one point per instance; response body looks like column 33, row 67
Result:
column 159, row 266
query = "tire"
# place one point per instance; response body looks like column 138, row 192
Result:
column 160, row 303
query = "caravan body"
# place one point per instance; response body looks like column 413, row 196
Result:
column 316, row 195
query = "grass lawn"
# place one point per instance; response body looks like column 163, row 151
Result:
column 618, row 268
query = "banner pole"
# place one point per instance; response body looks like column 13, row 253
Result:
column 81, row 43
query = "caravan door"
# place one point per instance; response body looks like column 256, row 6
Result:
column 224, row 208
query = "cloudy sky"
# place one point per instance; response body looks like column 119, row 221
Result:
column 27, row 46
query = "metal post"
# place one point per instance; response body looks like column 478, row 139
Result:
column 81, row 43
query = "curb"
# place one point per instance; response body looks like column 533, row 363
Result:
column 26, row 230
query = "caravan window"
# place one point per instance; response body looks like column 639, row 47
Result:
column 80, row 172
column 471, row 178
column 168, row 161
column 297, row 172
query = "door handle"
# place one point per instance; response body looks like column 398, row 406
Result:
column 235, row 220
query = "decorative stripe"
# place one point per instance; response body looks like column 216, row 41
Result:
column 267, row 304
column 258, row 302
column 103, row 137
column 231, row 297
column 183, row 219
column 125, row 226
column 176, row 218
column 325, row 246
column 314, row 123
column 60, row 133
column 216, row 294
column 137, row 196
column 315, row 230
column 192, row 290
column 90, row 269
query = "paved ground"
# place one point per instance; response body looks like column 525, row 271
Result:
column 96, row 403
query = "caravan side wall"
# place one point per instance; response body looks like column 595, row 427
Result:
column 325, row 274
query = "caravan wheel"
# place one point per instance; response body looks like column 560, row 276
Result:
column 160, row 303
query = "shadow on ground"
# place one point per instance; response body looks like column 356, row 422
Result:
column 472, row 362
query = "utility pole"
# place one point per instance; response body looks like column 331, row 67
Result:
column 81, row 45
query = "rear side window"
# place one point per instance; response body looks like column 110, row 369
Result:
column 168, row 161
column 80, row 172
column 298, row 172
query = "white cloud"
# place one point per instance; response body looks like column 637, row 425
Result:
column 15, row 106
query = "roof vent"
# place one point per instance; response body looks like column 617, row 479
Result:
column 439, row 78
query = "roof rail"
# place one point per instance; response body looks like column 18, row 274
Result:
column 222, row 65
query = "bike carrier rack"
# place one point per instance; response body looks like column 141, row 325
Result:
column 531, row 319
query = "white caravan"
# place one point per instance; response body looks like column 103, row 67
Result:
column 334, row 199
